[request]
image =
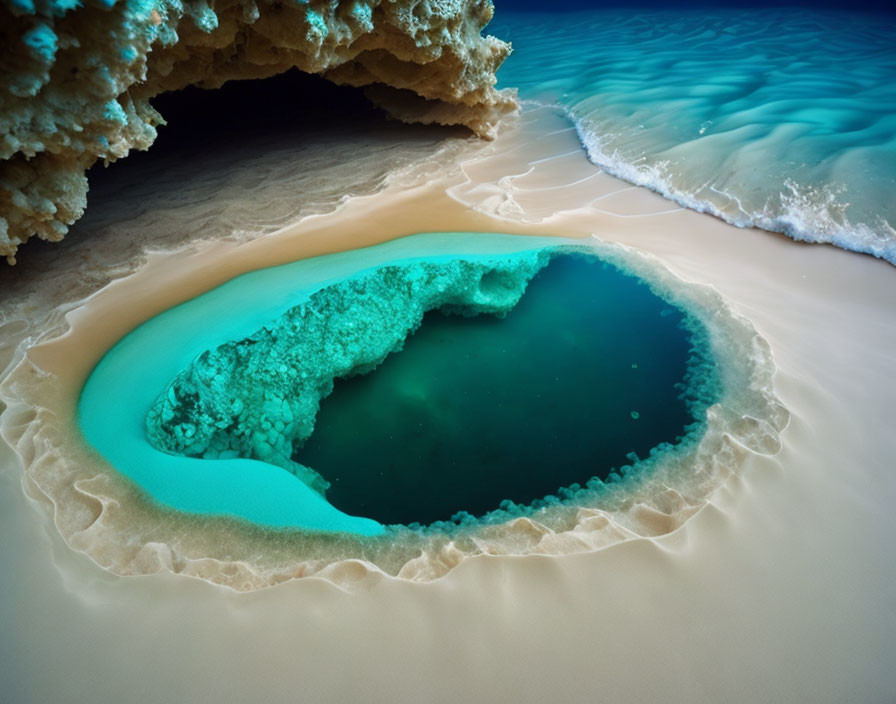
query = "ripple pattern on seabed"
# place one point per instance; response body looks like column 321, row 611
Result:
column 779, row 119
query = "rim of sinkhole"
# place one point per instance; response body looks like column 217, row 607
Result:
column 124, row 525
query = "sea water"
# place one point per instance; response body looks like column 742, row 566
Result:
column 783, row 119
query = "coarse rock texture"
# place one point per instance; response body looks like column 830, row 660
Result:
column 76, row 79
column 258, row 397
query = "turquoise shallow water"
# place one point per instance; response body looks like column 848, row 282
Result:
column 780, row 119
column 585, row 325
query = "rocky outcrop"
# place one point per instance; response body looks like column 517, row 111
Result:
column 258, row 397
column 76, row 78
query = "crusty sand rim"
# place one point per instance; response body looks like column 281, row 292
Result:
column 101, row 514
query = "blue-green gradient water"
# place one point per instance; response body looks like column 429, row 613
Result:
column 588, row 367
column 783, row 119
column 478, row 410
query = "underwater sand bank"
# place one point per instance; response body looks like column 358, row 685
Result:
column 779, row 588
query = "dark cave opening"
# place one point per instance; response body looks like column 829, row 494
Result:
column 223, row 131
column 285, row 104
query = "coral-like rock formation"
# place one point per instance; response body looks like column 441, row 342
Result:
column 76, row 79
column 258, row 397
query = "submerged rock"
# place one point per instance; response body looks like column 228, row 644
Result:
column 258, row 397
column 76, row 78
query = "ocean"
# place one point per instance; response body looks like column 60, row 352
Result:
column 781, row 119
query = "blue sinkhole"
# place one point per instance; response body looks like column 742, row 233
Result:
column 429, row 381
column 588, row 368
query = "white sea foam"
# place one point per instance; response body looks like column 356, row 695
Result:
column 805, row 213
column 739, row 114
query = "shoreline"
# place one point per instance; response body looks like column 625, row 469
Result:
column 790, row 550
column 738, row 148
column 95, row 518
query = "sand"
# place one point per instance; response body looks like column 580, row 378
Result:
column 779, row 589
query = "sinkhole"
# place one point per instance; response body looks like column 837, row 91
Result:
column 436, row 390
column 586, row 371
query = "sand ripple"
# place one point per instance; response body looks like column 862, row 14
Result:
column 511, row 184
column 778, row 119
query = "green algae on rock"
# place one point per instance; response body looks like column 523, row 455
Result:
column 76, row 79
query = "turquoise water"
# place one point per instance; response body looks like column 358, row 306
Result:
column 595, row 330
column 780, row 119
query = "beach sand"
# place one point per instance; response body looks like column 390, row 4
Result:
column 779, row 589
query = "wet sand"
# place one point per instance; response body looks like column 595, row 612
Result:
column 780, row 588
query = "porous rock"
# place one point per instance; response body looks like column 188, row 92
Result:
column 77, row 77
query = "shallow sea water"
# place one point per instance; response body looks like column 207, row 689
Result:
column 783, row 119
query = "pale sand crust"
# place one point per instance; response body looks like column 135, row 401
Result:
column 101, row 514
column 780, row 588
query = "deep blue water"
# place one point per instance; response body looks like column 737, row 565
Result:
column 876, row 6
column 581, row 373
column 783, row 119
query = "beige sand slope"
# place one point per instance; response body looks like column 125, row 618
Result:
column 781, row 589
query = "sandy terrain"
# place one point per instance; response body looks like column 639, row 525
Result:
column 780, row 589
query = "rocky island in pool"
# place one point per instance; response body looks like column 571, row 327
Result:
column 425, row 351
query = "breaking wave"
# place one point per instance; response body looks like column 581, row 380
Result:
column 743, row 115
